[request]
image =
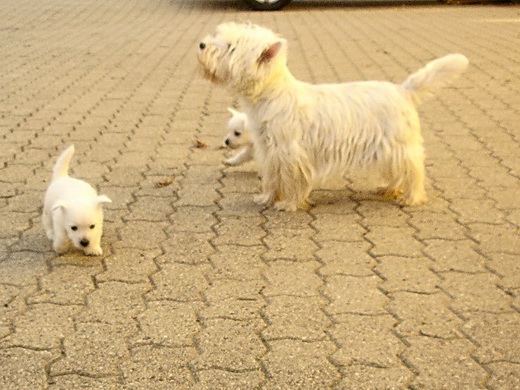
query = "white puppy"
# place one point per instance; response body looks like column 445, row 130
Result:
column 238, row 136
column 72, row 210
column 303, row 133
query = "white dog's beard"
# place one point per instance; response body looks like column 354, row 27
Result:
column 302, row 131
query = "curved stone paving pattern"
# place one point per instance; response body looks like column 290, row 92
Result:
column 199, row 288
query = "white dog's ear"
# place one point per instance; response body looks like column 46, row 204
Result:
column 103, row 199
column 271, row 52
column 232, row 111
column 60, row 204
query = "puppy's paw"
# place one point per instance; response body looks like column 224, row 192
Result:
column 59, row 247
column 93, row 251
column 232, row 161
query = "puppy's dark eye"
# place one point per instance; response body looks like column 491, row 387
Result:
column 238, row 133
column 92, row 226
column 74, row 228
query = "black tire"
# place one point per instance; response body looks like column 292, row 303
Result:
column 267, row 5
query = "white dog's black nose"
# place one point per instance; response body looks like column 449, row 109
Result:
column 202, row 46
column 227, row 141
column 84, row 243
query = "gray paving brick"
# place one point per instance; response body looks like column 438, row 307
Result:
column 230, row 345
column 406, row 274
column 424, row 314
column 444, row 364
column 23, row 368
column 141, row 372
column 293, row 317
column 300, row 364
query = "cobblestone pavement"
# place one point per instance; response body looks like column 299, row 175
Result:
column 199, row 288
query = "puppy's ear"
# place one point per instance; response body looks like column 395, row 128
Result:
column 232, row 111
column 271, row 52
column 103, row 199
column 60, row 204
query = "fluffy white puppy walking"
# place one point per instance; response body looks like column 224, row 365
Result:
column 72, row 211
column 238, row 136
column 302, row 133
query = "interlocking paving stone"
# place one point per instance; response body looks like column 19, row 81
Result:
column 201, row 288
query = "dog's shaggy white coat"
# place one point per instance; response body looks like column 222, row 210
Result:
column 72, row 211
column 303, row 133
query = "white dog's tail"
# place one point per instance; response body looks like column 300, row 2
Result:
column 434, row 75
column 61, row 168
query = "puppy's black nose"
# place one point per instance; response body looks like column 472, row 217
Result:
column 84, row 242
column 202, row 46
column 226, row 142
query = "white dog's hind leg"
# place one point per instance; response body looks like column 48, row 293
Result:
column 269, row 194
column 413, row 178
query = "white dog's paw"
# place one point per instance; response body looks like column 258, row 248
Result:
column 412, row 199
column 285, row 205
column 60, row 247
column 50, row 234
column 233, row 161
column 263, row 199
column 93, row 251
column 388, row 192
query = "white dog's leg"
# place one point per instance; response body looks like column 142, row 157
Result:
column 244, row 155
column 269, row 186
column 47, row 224
column 288, row 180
column 413, row 186
column 409, row 187
column 94, row 249
column 60, row 241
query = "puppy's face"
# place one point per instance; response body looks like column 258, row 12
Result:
column 241, row 56
column 237, row 135
column 82, row 220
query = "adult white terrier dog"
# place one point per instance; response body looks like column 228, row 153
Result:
column 302, row 133
column 72, row 211
column 238, row 136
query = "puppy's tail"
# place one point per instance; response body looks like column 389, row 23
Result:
column 434, row 75
column 61, row 168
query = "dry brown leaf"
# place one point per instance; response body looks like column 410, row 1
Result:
column 165, row 182
column 200, row 145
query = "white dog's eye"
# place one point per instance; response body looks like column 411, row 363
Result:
column 74, row 228
column 92, row 226
column 238, row 133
